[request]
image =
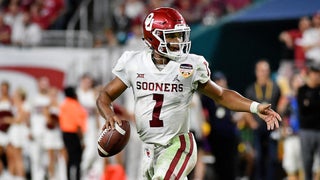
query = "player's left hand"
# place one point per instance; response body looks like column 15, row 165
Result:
column 269, row 116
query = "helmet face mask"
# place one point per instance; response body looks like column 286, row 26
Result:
column 174, row 44
column 166, row 32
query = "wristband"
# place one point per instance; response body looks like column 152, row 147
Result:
column 254, row 107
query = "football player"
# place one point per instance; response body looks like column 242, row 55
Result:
column 163, row 79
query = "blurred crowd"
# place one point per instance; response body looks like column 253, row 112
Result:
column 39, row 138
column 23, row 21
column 236, row 145
column 128, row 15
column 239, row 146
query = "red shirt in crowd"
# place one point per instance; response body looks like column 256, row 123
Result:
column 296, row 36
column 5, row 34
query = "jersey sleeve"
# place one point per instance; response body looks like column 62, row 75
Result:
column 202, row 74
column 121, row 69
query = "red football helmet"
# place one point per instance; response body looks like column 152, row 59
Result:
column 163, row 24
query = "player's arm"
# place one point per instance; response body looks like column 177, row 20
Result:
column 105, row 98
column 228, row 98
column 236, row 102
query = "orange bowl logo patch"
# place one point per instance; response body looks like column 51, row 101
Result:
column 186, row 70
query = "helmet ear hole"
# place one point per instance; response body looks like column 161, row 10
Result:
column 147, row 43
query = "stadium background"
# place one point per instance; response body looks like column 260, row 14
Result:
column 232, row 44
column 238, row 40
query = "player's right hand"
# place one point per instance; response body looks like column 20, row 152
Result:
column 269, row 116
column 110, row 122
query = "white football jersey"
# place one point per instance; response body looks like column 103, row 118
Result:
column 162, row 98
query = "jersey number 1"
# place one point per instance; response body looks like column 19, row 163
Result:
column 156, row 122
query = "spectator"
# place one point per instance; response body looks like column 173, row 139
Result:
column 134, row 40
column 25, row 32
column 288, row 107
column 285, row 72
column 224, row 135
column 264, row 90
column 56, row 10
column 46, row 12
column 133, row 8
column 72, row 120
column 311, row 39
column 5, row 32
column 291, row 42
column 53, row 143
column 86, row 96
column 309, row 104
column 121, row 23
column 13, row 14
column 51, row 10
column 246, row 125
column 18, row 133
column 5, row 106
column 36, row 16
column 38, row 121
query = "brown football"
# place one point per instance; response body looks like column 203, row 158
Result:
column 112, row 141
